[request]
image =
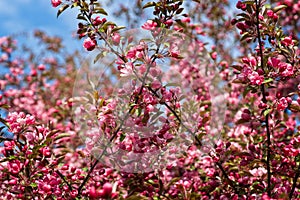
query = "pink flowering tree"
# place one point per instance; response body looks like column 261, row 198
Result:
column 194, row 103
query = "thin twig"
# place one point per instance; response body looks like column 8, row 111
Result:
column 295, row 182
column 64, row 179
column 262, row 88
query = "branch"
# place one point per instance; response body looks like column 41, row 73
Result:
column 64, row 179
column 294, row 182
column 258, row 4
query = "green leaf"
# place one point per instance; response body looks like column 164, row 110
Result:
column 269, row 80
column 1, row 128
column 237, row 67
column 172, row 85
column 81, row 17
column 294, row 107
column 244, row 15
column 241, row 121
column 180, row 23
column 117, row 29
column 149, row 4
column 5, row 106
column 122, row 137
column 90, row 82
column 266, row 112
column 62, row 9
column 52, row 133
column 100, row 55
column 63, row 135
column 279, row 8
column 100, row 11
column 179, row 11
column 268, row 6
column 249, row 2
column 245, row 36
column 33, row 185
column 3, row 121
column 246, row 91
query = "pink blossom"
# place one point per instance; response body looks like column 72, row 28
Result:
column 149, row 25
column 270, row 13
column 89, row 44
column 282, row 104
column 156, row 84
column 9, row 145
column 288, row 70
column 255, row 78
column 258, row 172
column 41, row 67
column 97, row 21
column 55, row 3
column 214, row 55
column 186, row 20
column 273, row 62
column 116, row 38
column 287, row 41
column 127, row 70
column 14, row 166
column 107, row 189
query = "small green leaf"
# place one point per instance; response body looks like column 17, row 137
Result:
column 241, row 121
column 122, row 137
column 244, row 16
column 172, row 85
column 3, row 121
column 269, row 80
column 268, row 6
column 1, row 128
column 62, row 9
column 100, row 11
column 149, row 4
column 180, row 23
column 266, row 112
column 294, row 107
column 63, row 135
column 33, row 185
column 246, row 91
column 81, row 17
column 5, row 106
column 179, row 11
column 279, row 8
column 245, row 36
column 52, row 133
column 117, row 29
column 249, row 2
column 237, row 67
column 100, row 55
column 90, row 82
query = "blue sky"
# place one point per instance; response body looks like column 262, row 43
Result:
column 18, row 16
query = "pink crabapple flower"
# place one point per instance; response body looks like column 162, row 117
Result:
column 116, row 38
column 149, row 25
column 89, row 44
column 287, row 41
column 55, row 3
column 283, row 103
column 41, row 67
column 255, row 78
column 14, row 166
column 258, row 172
column 127, row 70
